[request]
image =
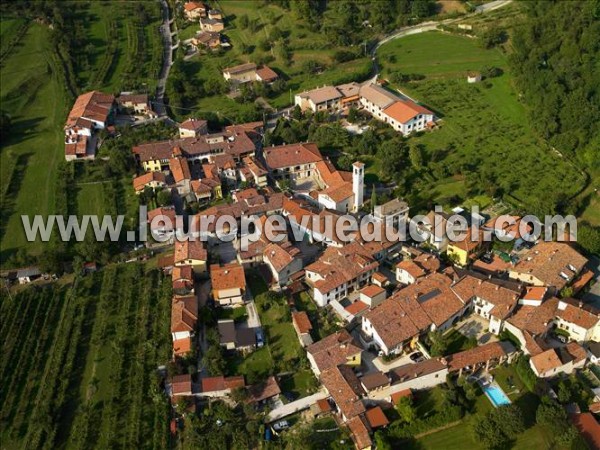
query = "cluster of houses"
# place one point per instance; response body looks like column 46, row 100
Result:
column 402, row 114
column 95, row 111
column 521, row 296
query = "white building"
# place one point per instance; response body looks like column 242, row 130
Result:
column 407, row 117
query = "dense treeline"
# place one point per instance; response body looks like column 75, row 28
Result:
column 555, row 59
column 350, row 22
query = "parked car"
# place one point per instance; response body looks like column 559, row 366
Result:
column 487, row 258
column 416, row 356
column 260, row 339
column 281, row 425
column 290, row 396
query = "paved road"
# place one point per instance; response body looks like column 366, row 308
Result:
column 165, row 31
column 295, row 406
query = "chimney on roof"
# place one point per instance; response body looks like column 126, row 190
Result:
column 580, row 304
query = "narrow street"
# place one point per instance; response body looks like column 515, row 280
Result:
column 165, row 31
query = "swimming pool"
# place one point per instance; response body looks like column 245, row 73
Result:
column 496, row 395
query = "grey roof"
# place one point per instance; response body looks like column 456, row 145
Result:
column 594, row 348
column 29, row 272
column 378, row 95
column 245, row 337
column 226, row 331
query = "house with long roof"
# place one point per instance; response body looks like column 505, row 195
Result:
column 551, row 264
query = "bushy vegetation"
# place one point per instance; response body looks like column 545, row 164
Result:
column 499, row 426
column 80, row 362
column 559, row 82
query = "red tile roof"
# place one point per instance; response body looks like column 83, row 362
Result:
column 290, row 155
column 376, row 417
column 404, row 110
column 228, row 276
column 360, row 432
column 139, row 183
column 577, row 314
column 193, row 124
column 302, row 322
column 550, row 262
column 181, row 384
column 190, row 249
column 334, row 349
column 266, row 74
column 92, row 105
column 396, row 396
column 345, row 389
column 478, row 355
column 265, row 390
column 182, row 346
column 356, row 307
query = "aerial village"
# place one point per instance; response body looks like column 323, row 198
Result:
column 387, row 301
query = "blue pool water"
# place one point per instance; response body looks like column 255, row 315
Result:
column 496, row 395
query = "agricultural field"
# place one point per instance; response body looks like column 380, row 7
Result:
column 125, row 47
column 80, row 365
column 484, row 133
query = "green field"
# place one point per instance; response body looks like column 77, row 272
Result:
column 436, row 55
column 32, row 95
column 484, row 140
column 79, row 366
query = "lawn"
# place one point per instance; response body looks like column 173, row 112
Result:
column 456, row 342
column 458, row 437
column 90, row 199
column 282, row 341
column 484, row 139
column 436, row 55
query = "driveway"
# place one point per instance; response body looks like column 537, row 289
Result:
column 295, row 406
column 384, row 366
column 253, row 317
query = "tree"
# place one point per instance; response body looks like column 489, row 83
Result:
column 5, row 125
column 391, row 154
column 509, row 419
column 493, row 36
column 486, row 432
column 164, row 197
column 353, row 115
column 554, row 417
column 564, row 392
column 381, row 442
column 439, row 343
column 416, row 156
column 406, row 409
column 243, row 20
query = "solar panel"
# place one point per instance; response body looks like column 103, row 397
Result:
column 425, row 297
